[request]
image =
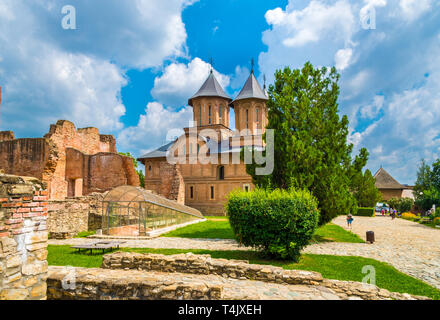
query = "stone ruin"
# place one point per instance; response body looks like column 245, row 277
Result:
column 73, row 162
column 23, row 238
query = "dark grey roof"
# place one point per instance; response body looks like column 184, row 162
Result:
column 251, row 89
column 161, row 152
column 211, row 88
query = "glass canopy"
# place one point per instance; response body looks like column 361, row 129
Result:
column 133, row 211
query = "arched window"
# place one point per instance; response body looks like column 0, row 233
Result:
column 247, row 118
column 200, row 115
column 221, row 173
column 220, row 113
column 209, row 114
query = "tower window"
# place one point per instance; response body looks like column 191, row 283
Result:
column 212, row 192
column 220, row 112
column 246, row 187
column 191, row 192
column 221, row 173
column 247, row 118
column 258, row 118
column 209, row 114
column 200, row 115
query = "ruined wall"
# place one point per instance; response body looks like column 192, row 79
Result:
column 26, row 157
column 94, row 166
column 64, row 135
column 99, row 172
column 68, row 217
column 23, row 238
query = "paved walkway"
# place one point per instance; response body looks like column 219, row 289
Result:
column 164, row 243
column 408, row 246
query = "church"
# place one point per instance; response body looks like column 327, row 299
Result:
column 201, row 184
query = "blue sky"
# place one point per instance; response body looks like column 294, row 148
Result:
column 130, row 66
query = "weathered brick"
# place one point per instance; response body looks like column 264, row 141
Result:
column 40, row 198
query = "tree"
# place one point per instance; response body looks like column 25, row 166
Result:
column 427, row 187
column 363, row 185
column 310, row 139
column 423, row 181
column 136, row 164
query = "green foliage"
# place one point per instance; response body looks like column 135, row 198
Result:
column 363, row 185
column 401, row 204
column 427, row 187
column 136, row 165
column 365, row 212
column 310, row 139
column 279, row 223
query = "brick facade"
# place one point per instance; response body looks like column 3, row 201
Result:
column 23, row 238
column 73, row 162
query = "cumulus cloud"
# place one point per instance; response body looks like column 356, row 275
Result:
column 343, row 58
column 314, row 22
column 48, row 73
column 153, row 127
column 180, row 81
column 389, row 86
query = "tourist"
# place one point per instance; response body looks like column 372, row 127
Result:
column 349, row 220
column 393, row 214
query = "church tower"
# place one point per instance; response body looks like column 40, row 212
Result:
column 250, row 108
column 210, row 104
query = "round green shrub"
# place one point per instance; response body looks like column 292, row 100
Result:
column 279, row 223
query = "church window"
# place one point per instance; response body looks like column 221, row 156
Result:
column 212, row 192
column 191, row 192
column 200, row 116
column 258, row 118
column 209, row 114
column 220, row 112
column 221, row 173
column 247, row 118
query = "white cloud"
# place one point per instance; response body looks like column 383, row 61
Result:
column 343, row 58
column 180, row 81
column 370, row 111
column 48, row 73
column 314, row 22
column 153, row 128
column 413, row 9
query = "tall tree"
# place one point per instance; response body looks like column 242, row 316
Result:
column 423, row 181
column 311, row 149
column 363, row 185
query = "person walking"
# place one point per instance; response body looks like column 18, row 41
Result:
column 349, row 220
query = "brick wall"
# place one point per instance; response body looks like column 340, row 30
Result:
column 23, row 238
column 68, row 217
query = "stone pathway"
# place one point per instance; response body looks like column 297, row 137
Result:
column 164, row 243
column 408, row 246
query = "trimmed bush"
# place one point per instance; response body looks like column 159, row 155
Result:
column 365, row 212
column 437, row 221
column 279, row 223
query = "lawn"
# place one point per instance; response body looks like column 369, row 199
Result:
column 219, row 228
column 331, row 267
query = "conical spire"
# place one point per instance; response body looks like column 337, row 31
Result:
column 251, row 89
column 211, row 88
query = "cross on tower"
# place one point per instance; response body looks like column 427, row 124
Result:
column 211, row 62
column 252, row 65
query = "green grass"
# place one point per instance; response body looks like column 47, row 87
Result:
column 85, row 234
column 210, row 229
column 333, row 233
column 331, row 267
column 219, row 228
